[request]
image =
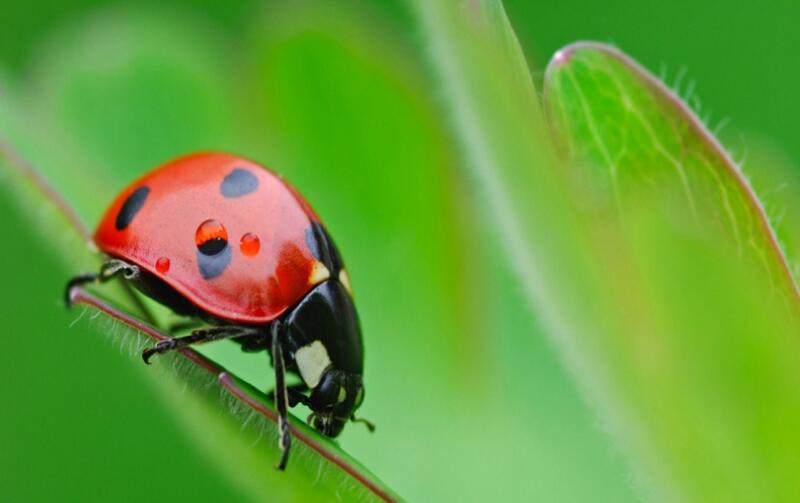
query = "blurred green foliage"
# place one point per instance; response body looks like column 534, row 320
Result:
column 471, row 402
column 703, row 283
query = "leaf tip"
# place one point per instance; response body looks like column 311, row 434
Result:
column 568, row 52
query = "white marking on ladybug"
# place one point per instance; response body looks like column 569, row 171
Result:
column 312, row 361
column 319, row 273
column 344, row 279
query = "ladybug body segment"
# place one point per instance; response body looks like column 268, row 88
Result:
column 220, row 238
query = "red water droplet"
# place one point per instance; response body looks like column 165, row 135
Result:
column 208, row 230
column 250, row 244
column 162, row 265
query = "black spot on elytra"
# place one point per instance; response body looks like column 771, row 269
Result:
column 131, row 207
column 212, row 266
column 212, row 246
column 238, row 183
column 323, row 248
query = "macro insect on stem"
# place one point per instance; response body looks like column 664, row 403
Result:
column 221, row 240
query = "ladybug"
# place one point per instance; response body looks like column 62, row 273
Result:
column 228, row 243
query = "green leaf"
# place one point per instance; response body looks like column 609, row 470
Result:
column 635, row 139
column 682, row 339
column 138, row 72
column 497, row 117
column 776, row 179
column 716, row 295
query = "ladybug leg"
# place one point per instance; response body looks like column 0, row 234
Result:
column 295, row 394
column 180, row 326
column 108, row 270
column 281, row 398
column 197, row 337
column 81, row 279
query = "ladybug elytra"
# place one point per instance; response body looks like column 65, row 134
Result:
column 227, row 242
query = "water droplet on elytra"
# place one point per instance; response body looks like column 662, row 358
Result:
column 250, row 244
column 162, row 265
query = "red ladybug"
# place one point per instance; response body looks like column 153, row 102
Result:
column 223, row 240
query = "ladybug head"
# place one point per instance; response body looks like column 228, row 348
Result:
column 334, row 401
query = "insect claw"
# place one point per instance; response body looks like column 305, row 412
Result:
column 147, row 354
column 284, row 460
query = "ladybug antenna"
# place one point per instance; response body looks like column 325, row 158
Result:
column 369, row 424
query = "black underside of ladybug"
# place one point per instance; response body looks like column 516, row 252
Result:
column 326, row 313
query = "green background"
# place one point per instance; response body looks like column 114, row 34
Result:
column 79, row 423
